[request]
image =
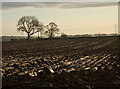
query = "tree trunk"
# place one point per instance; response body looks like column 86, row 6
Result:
column 41, row 34
column 51, row 34
column 28, row 36
column 38, row 35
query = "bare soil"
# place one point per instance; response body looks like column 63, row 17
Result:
column 76, row 63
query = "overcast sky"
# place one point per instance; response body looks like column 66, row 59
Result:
column 71, row 17
column 60, row 0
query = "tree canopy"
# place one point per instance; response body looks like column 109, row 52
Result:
column 52, row 29
column 28, row 24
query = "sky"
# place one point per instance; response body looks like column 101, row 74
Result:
column 60, row 0
column 72, row 18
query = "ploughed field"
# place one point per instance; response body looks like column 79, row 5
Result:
column 90, row 63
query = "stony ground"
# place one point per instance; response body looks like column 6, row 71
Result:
column 89, row 63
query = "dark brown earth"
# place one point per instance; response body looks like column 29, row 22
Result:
column 78, row 63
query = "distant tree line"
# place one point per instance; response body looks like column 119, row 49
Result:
column 31, row 25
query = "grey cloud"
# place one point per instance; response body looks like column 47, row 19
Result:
column 13, row 5
column 10, row 5
column 60, row 0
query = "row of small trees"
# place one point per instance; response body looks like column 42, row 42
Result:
column 31, row 25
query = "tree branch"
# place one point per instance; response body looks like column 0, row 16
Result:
column 34, row 32
column 25, row 27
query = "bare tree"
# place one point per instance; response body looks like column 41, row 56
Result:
column 40, row 29
column 52, row 29
column 28, row 24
